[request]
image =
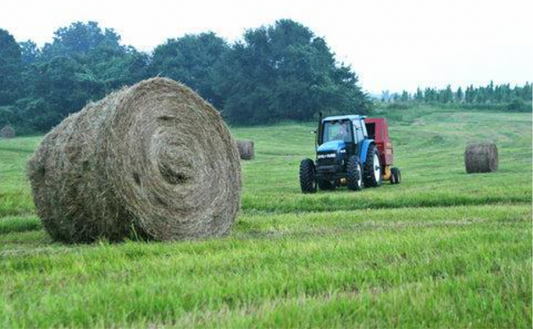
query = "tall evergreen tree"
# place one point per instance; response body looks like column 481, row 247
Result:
column 419, row 95
column 405, row 96
column 459, row 95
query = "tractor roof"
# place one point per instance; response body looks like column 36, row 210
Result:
column 344, row 117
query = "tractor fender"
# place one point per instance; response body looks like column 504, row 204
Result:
column 363, row 151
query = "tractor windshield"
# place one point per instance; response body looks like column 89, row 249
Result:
column 337, row 131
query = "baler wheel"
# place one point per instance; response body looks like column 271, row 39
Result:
column 395, row 176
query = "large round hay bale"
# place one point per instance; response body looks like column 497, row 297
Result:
column 7, row 132
column 246, row 149
column 153, row 161
column 481, row 158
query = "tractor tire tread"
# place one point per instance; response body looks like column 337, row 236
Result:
column 353, row 174
column 369, row 178
column 307, row 176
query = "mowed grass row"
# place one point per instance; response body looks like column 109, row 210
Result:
column 443, row 249
column 435, row 267
column 454, row 268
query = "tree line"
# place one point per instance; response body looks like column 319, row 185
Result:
column 278, row 72
column 504, row 96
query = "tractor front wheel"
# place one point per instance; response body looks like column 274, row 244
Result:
column 354, row 174
column 307, row 176
column 372, row 171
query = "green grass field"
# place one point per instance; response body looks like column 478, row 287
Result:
column 443, row 249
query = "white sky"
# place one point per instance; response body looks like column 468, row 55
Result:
column 392, row 45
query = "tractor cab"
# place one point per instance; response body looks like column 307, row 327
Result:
column 341, row 134
column 351, row 151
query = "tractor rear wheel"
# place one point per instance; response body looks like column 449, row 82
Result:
column 395, row 176
column 326, row 185
column 307, row 176
column 354, row 174
column 372, row 171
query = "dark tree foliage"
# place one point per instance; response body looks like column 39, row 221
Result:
column 284, row 72
column 10, row 69
column 82, row 64
column 116, row 66
column 277, row 72
column 191, row 60
column 80, row 38
column 66, row 84
column 30, row 52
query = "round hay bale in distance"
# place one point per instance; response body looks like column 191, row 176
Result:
column 246, row 149
column 481, row 158
column 152, row 161
column 7, row 132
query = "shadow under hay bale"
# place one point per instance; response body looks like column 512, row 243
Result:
column 7, row 132
column 153, row 161
column 481, row 158
column 246, row 149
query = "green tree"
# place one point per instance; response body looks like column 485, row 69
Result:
column 80, row 38
column 405, row 96
column 191, row 59
column 114, row 67
column 30, row 52
column 10, row 69
column 469, row 94
column 446, row 94
column 282, row 72
column 430, row 95
column 419, row 95
column 83, row 63
column 61, row 86
column 459, row 95
column 8, row 115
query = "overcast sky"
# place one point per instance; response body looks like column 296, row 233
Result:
column 391, row 44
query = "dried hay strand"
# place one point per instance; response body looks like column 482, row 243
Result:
column 246, row 149
column 152, row 161
column 7, row 132
column 481, row 158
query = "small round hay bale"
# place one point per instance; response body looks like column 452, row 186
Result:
column 246, row 149
column 153, row 161
column 7, row 132
column 481, row 158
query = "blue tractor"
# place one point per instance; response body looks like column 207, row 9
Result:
column 351, row 151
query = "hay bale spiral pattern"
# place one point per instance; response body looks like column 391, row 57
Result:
column 481, row 158
column 152, row 161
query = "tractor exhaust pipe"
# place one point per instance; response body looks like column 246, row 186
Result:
column 319, row 130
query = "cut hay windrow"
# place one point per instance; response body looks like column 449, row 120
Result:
column 152, row 161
